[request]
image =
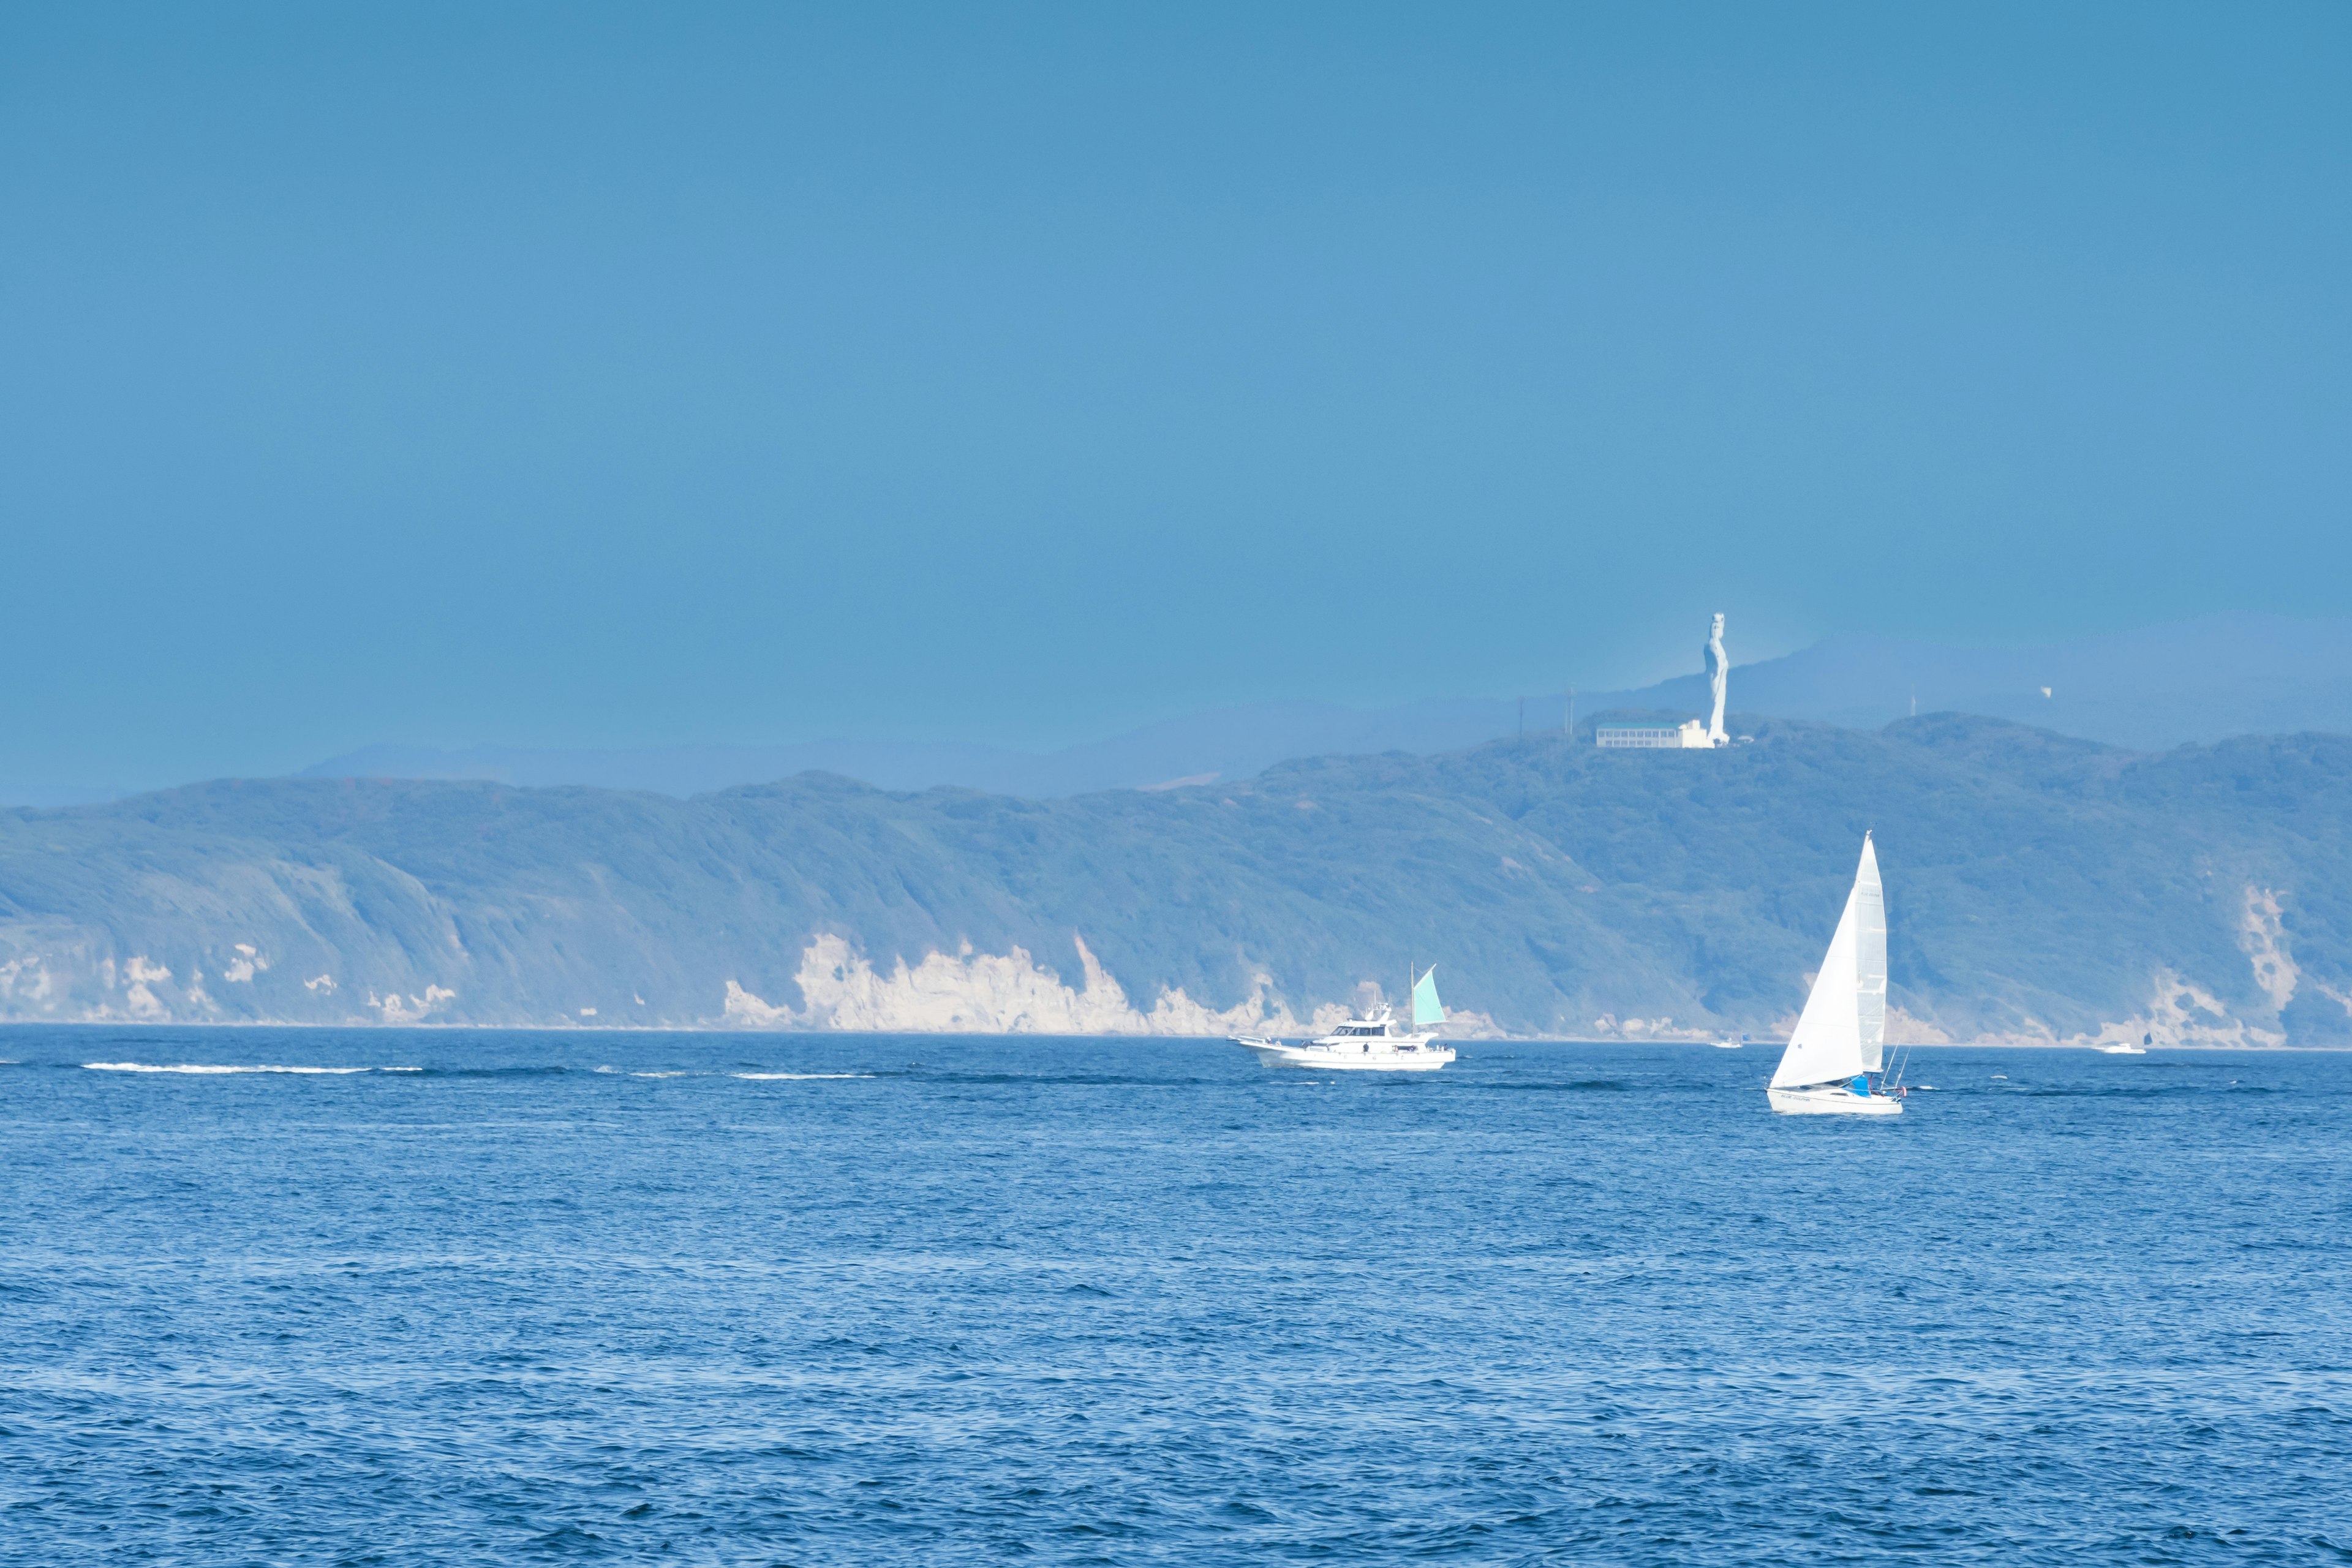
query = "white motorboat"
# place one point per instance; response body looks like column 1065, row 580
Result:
column 1375, row 1042
column 2127, row 1048
column 1728, row 1044
column 1841, row 1036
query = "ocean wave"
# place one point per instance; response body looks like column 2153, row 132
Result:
column 776, row 1077
column 544, row 1070
column 208, row 1069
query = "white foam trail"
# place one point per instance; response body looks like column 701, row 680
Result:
column 199, row 1068
column 776, row 1077
column 679, row 1074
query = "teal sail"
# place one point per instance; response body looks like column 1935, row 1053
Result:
column 1426, row 1007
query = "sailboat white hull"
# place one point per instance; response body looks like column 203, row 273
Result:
column 1832, row 1099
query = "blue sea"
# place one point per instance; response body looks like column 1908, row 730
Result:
column 510, row 1298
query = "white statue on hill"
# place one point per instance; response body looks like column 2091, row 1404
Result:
column 1718, row 673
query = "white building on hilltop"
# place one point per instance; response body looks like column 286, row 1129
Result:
column 1689, row 736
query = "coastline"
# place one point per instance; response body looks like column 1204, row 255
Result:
column 714, row 1029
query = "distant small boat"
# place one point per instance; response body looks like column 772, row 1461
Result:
column 1841, row 1037
column 2127, row 1048
column 1728, row 1044
column 1374, row 1043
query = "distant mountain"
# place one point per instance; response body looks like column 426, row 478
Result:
column 1232, row 742
column 2196, row 680
column 2039, row 887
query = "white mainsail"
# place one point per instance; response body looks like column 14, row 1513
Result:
column 1869, row 958
column 1843, row 1027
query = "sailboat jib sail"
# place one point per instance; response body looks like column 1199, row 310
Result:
column 1827, row 1044
column 1869, row 958
column 1841, row 1037
column 1427, row 1008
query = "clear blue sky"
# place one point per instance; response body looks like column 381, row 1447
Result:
column 586, row 376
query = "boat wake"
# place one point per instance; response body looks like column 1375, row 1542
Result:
column 207, row 1069
column 222, row 1070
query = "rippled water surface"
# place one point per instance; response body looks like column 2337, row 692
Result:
column 508, row 1297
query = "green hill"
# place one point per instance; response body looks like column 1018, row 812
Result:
column 2037, row 887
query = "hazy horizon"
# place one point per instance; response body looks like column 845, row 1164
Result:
column 2150, row 688
column 617, row 378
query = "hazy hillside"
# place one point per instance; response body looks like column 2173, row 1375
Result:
column 2037, row 886
column 1228, row 742
column 2198, row 680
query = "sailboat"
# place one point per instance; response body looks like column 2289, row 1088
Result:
column 1841, row 1036
column 1373, row 1043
